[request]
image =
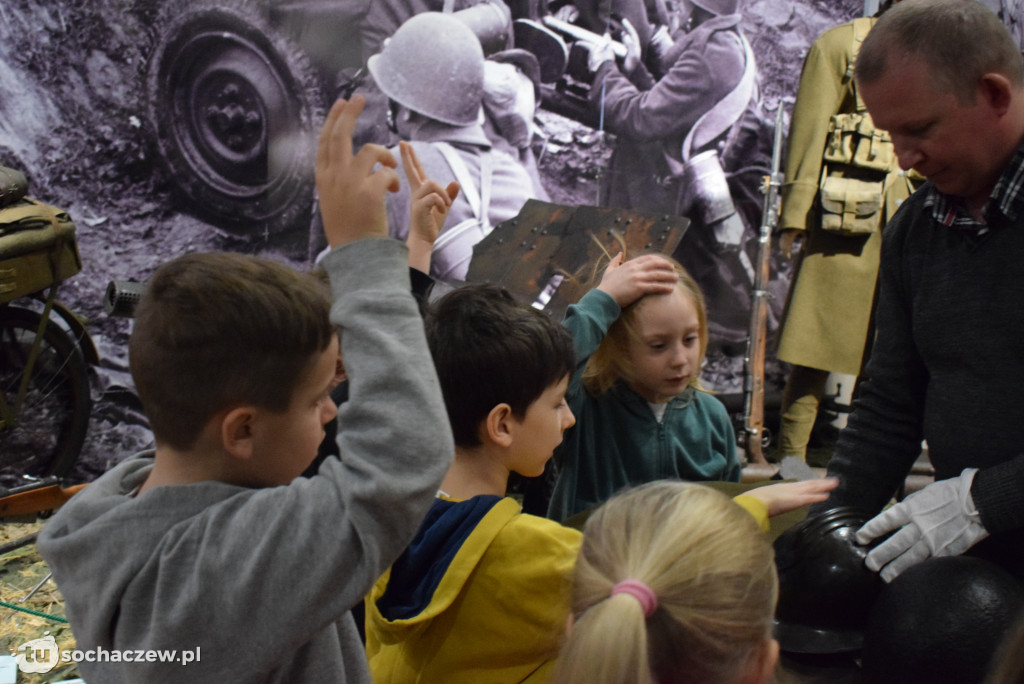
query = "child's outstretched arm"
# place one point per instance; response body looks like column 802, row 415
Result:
column 787, row 496
column 428, row 208
column 629, row 281
column 351, row 191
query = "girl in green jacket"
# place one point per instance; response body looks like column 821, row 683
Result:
column 640, row 338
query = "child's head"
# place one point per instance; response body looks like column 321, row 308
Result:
column 700, row 606
column 219, row 330
column 490, row 350
column 656, row 345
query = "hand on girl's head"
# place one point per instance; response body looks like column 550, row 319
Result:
column 628, row 281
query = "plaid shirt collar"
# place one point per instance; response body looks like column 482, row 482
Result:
column 1006, row 200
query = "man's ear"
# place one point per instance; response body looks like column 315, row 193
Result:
column 236, row 432
column 498, row 425
column 997, row 92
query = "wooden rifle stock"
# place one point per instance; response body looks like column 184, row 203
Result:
column 755, row 436
column 44, row 495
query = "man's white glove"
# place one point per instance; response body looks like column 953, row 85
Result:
column 939, row 520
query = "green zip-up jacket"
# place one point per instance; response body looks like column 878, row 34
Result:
column 617, row 441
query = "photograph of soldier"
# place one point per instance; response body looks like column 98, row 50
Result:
column 686, row 128
column 842, row 184
column 435, row 91
column 83, row 90
column 380, row 21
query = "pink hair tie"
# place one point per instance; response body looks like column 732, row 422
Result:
column 641, row 592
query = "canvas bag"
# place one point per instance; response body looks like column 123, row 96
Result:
column 37, row 248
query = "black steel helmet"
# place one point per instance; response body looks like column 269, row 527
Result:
column 825, row 590
column 940, row 622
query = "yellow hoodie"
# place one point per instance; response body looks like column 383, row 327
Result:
column 481, row 596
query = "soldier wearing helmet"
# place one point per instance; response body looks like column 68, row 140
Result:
column 432, row 72
column 701, row 98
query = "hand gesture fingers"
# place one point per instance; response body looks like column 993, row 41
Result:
column 429, row 202
column 352, row 188
column 429, row 209
column 414, row 172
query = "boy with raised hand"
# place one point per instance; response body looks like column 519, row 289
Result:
column 482, row 593
column 210, row 544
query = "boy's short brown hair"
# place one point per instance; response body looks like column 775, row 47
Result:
column 489, row 349
column 215, row 330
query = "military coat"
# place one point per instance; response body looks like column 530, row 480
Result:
column 828, row 315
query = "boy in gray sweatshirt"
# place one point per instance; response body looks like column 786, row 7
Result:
column 209, row 544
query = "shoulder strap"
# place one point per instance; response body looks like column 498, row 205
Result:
column 861, row 26
column 726, row 111
column 479, row 202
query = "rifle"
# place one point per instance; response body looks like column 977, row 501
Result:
column 755, row 436
column 37, row 497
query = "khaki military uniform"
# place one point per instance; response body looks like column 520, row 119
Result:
column 828, row 316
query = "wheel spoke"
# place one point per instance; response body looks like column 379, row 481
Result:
column 47, row 431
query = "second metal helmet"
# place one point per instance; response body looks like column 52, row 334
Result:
column 433, row 65
column 825, row 590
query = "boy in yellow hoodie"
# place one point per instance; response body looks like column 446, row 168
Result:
column 482, row 593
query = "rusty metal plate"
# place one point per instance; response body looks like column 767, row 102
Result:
column 549, row 255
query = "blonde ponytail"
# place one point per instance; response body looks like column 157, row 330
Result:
column 711, row 570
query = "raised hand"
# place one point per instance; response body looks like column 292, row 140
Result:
column 351, row 186
column 428, row 208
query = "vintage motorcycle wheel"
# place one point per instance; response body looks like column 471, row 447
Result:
column 235, row 108
column 47, row 433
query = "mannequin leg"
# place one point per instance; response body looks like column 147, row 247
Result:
column 800, row 399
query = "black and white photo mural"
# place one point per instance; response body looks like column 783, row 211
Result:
column 190, row 125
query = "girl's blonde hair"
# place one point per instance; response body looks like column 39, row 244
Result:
column 610, row 362
column 711, row 569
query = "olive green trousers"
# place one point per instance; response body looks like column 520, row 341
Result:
column 800, row 400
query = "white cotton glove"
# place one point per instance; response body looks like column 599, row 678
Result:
column 939, row 520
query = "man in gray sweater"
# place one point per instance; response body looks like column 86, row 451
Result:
column 207, row 560
column 946, row 80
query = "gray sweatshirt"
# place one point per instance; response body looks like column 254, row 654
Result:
column 261, row 580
